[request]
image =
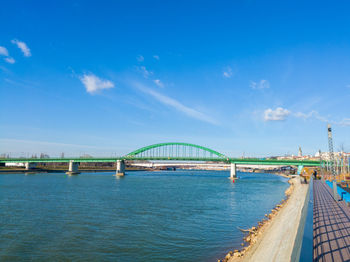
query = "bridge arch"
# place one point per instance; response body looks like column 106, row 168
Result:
column 176, row 151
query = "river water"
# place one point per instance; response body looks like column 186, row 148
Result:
column 144, row 216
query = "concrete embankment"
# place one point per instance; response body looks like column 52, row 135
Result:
column 273, row 239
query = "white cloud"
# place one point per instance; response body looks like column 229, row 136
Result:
column 228, row 72
column 23, row 46
column 10, row 60
column 262, row 84
column 158, row 83
column 177, row 105
column 279, row 114
column 3, row 51
column 143, row 70
column 140, row 58
column 94, row 84
column 156, row 57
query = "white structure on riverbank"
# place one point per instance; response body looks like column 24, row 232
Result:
column 15, row 164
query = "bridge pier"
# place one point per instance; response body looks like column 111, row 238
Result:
column 120, row 168
column 233, row 171
column 73, row 168
column 29, row 165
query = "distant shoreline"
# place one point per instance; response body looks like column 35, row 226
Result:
column 42, row 170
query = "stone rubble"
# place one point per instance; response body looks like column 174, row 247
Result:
column 253, row 233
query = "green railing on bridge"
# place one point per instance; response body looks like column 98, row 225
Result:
column 240, row 161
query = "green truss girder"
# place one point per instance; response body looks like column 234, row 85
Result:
column 240, row 161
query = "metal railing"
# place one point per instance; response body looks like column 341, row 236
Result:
column 303, row 244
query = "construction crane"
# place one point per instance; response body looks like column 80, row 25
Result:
column 332, row 161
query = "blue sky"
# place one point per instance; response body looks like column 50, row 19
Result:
column 107, row 77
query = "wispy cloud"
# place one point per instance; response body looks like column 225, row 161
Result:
column 158, row 83
column 10, row 60
column 278, row 114
column 23, row 46
column 227, row 72
column 93, row 84
column 171, row 102
column 17, row 147
column 140, row 58
column 344, row 122
column 3, row 51
column 10, row 140
column 4, row 69
column 156, row 57
column 262, row 84
column 315, row 115
column 143, row 70
column 311, row 114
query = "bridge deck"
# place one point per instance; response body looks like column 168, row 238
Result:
column 331, row 226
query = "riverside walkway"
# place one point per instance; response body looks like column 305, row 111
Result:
column 331, row 226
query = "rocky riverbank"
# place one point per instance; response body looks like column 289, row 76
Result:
column 273, row 238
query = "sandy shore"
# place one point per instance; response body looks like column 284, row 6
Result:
column 273, row 239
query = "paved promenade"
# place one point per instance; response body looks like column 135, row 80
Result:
column 277, row 239
column 331, row 226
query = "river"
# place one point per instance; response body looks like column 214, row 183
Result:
column 144, row 216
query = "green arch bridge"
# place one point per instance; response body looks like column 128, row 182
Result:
column 167, row 152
